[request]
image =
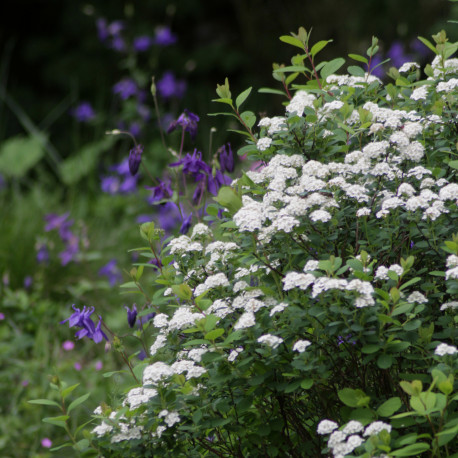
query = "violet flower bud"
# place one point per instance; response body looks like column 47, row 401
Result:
column 131, row 315
column 135, row 157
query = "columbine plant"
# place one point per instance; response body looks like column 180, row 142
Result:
column 318, row 316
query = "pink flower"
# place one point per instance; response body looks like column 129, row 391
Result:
column 98, row 365
column 77, row 366
column 46, row 442
column 68, row 345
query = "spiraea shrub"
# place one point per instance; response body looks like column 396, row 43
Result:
column 312, row 311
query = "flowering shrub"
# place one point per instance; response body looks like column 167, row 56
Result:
column 317, row 315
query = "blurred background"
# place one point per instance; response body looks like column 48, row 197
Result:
column 69, row 210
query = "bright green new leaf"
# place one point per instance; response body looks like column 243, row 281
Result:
column 213, row 335
column 77, row 402
column 331, row 67
column 44, row 402
column 242, row 97
column 19, row 154
column 389, row 407
column 229, row 199
column 317, row 47
column 292, row 41
column 411, row 450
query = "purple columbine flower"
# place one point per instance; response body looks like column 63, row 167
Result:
column 42, row 254
column 110, row 184
column 168, row 86
column 135, row 157
column 193, row 165
column 112, row 272
column 131, row 315
column 105, row 30
column 125, row 88
column 160, row 192
column 142, row 43
column 83, row 112
column 71, row 250
column 397, row 55
column 188, row 121
column 226, row 158
column 215, row 182
column 28, row 280
column 82, row 319
column 169, row 216
column 187, row 221
column 164, row 36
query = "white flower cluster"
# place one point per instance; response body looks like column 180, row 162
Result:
column 444, row 349
column 270, row 340
column 341, row 442
column 213, row 281
column 301, row 345
column 452, row 264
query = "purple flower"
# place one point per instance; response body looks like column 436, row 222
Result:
column 164, row 36
column 2, row 316
column 169, row 216
column 110, row 184
column 42, row 254
column 397, row 55
column 214, row 183
column 226, row 158
column 82, row 319
column 112, row 272
column 168, row 86
column 105, row 30
column 71, row 251
column 46, row 442
column 193, row 165
column 68, row 345
column 379, row 72
column 83, row 112
column 131, row 315
column 188, row 121
column 198, row 192
column 187, row 221
column 160, row 192
column 135, row 157
column 142, row 43
column 98, row 365
column 420, row 48
column 28, row 280
column 125, row 88
column 135, row 129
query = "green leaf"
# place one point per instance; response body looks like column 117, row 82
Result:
column 292, row 41
column 83, row 162
column 224, row 100
column 194, row 342
column 453, row 164
column 370, row 348
column 68, row 390
column 353, row 398
column 292, row 68
column 44, row 402
column 384, row 361
column 317, row 47
column 428, row 44
column 210, row 322
column 331, row 67
column 213, row 335
column 229, row 199
column 57, row 421
column 183, row 291
column 249, row 118
column 411, row 450
column 358, row 58
column 77, row 402
column 389, row 407
column 235, row 335
column 242, row 97
column 67, row 444
column 307, row 383
column 356, row 71
column 268, row 90
column 18, row 155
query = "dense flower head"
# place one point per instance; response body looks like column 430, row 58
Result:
column 187, row 121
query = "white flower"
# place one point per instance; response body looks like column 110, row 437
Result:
column 250, row 216
column 353, row 427
column 301, row 345
column 420, row 93
column 263, row 143
column 417, row 298
column 300, row 100
column 444, row 349
column 326, row 427
column 138, row 396
column 375, row 427
column 449, row 192
column 297, row 280
column 447, row 86
column 170, row 417
column 213, row 281
column 452, row 273
column 336, row 438
column 354, row 441
column 408, row 66
column 363, row 211
column 156, row 372
column 160, row 342
column 161, row 320
column 234, row 353
column 270, row 340
column 247, row 320
column 320, row 215
column 200, row 230
column 278, row 308
column 450, row 305
column 311, row 265
column 183, row 244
